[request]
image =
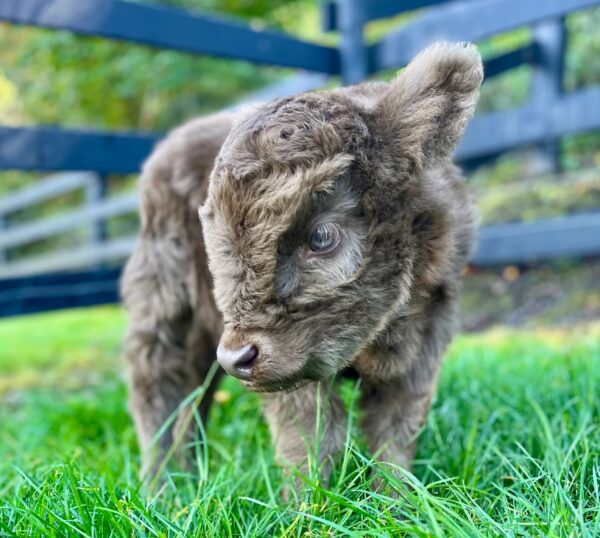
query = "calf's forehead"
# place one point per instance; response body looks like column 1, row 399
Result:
column 290, row 133
column 279, row 155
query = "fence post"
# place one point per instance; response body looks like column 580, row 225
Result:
column 547, row 85
column 95, row 191
column 353, row 51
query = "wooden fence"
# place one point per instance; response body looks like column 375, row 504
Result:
column 88, row 274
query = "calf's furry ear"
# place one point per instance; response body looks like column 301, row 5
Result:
column 425, row 109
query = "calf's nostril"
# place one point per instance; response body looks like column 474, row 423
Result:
column 247, row 357
column 237, row 362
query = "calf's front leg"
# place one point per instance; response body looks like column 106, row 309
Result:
column 310, row 417
column 399, row 377
column 393, row 416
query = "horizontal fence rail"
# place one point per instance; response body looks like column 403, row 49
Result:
column 466, row 20
column 168, row 28
column 61, row 290
column 42, row 229
column 88, row 273
column 42, row 191
column 53, row 148
column 110, row 252
column 525, row 242
column 499, row 132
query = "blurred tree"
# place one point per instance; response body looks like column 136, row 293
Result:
column 72, row 80
column 582, row 68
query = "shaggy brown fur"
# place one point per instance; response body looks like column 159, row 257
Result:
column 369, row 166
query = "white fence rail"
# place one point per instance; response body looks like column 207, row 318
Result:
column 92, row 215
column 43, row 190
column 108, row 252
column 42, row 229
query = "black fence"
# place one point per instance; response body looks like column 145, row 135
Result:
column 89, row 276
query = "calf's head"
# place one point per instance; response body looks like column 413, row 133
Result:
column 314, row 219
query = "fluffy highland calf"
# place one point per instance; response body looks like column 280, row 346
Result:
column 335, row 228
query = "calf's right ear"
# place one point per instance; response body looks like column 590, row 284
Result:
column 425, row 109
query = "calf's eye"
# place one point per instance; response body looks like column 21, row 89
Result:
column 324, row 238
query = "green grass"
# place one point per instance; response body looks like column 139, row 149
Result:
column 511, row 448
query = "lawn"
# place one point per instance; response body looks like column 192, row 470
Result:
column 511, row 448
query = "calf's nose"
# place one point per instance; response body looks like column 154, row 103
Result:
column 237, row 362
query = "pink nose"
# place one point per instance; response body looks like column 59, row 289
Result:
column 237, row 362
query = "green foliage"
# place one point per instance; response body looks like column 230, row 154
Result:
column 506, row 91
column 511, row 448
column 542, row 197
column 73, row 80
column 582, row 69
column 582, row 57
column 580, row 151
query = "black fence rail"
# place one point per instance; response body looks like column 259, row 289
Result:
column 549, row 114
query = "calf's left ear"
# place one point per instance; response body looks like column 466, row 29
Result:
column 425, row 110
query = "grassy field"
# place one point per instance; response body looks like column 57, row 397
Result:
column 512, row 447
